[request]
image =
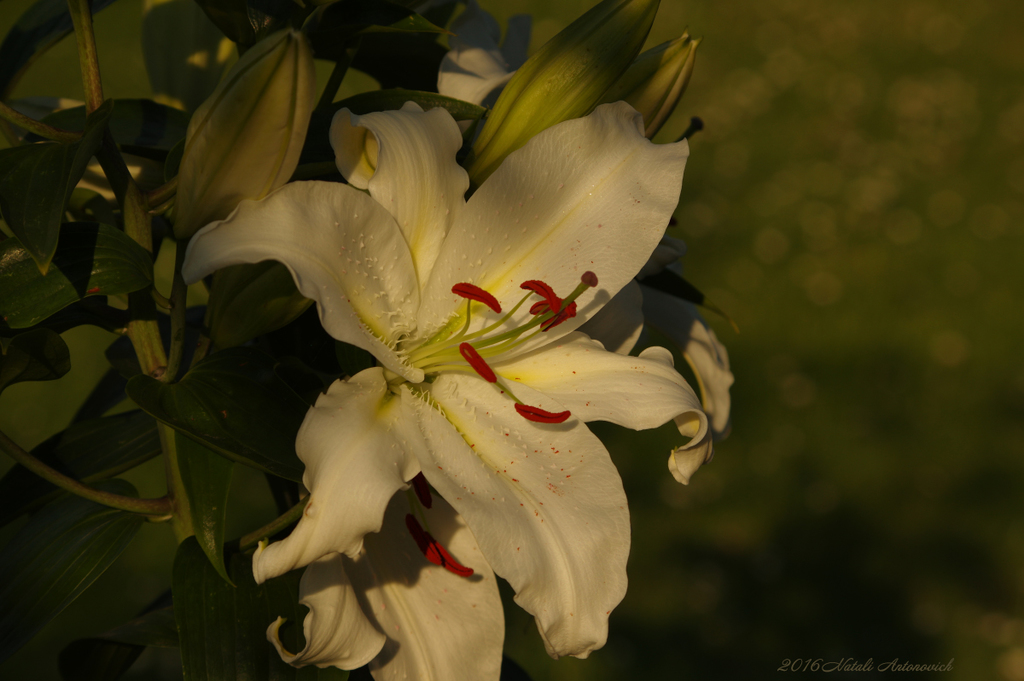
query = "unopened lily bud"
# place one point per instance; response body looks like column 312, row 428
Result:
column 656, row 81
column 249, row 300
column 565, row 79
column 245, row 139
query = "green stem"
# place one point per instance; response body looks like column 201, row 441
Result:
column 182, row 519
column 162, row 194
column 81, row 17
column 151, row 507
column 337, row 75
column 274, row 526
column 38, row 127
column 179, row 295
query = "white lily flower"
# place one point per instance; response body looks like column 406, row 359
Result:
column 484, row 394
column 392, row 608
column 477, row 67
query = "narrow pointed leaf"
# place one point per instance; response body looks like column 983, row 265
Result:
column 88, row 451
column 248, row 21
column 60, row 551
column 233, row 403
column 91, row 259
column 673, row 284
column 37, row 30
column 39, row 355
column 330, row 30
column 36, row 181
column 133, row 123
column 110, row 654
column 207, row 479
column 223, row 629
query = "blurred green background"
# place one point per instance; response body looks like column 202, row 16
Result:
column 855, row 204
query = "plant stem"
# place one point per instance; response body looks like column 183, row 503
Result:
column 81, row 17
column 182, row 519
column 162, row 194
column 38, row 127
column 337, row 75
column 179, row 295
column 274, row 526
column 151, row 507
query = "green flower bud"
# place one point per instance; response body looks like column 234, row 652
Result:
column 249, row 300
column 565, row 79
column 245, row 139
column 656, row 81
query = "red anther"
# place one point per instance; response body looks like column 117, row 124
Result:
column 433, row 550
column 474, row 292
column 478, row 363
column 589, row 278
column 542, row 289
column 422, row 489
column 538, row 415
column 568, row 313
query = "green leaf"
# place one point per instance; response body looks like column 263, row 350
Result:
column 248, row 21
column 39, row 355
column 674, row 284
column 233, row 403
column 207, row 478
column 223, row 629
column 91, row 259
column 37, row 30
column 407, row 60
column 87, row 451
column 331, row 29
column 54, row 557
column 110, row 654
column 133, row 123
column 36, row 181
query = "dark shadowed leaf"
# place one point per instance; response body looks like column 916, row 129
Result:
column 407, row 60
column 91, row 259
column 87, row 451
column 37, row 30
column 207, row 479
column 133, row 123
column 223, row 629
column 109, row 655
column 36, row 181
column 39, row 355
column 248, row 21
column 53, row 558
column 673, row 284
column 233, row 403
column 330, row 30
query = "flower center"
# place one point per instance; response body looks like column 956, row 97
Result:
column 472, row 352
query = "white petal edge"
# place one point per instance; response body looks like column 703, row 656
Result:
column 544, row 501
column 431, row 617
column 680, row 321
column 415, row 176
column 337, row 632
column 590, row 194
column 343, row 250
column 354, row 444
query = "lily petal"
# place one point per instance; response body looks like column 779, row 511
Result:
column 415, row 176
column 439, row 626
column 618, row 325
column 338, row 244
column 545, row 503
column 337, row 632
column 596, row 385
column 353, row 443
column 683, row 324
column 589, row 190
